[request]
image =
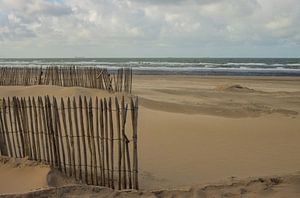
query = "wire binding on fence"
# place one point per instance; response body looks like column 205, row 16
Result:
column 68, row 76
column 83, row 138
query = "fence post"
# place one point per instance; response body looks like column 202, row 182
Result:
column 123, row 118
column 98, row 143
column 111, row 143
column 102, row 142
column 66, row 135
column 38, row 129
column 18, row 128
column 83, row 139
column 33, row 134
column 119, row 142
column 92, row 140
column 134, row 117
column 55, row 133
column 77, row 137
column 71, row 138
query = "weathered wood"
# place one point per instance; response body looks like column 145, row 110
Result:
column 42, row 126
column 111, row 129
column 33, row 133
column 3, row 146
column 134, row 119
column 71, row 137
column 83, row 139
column 45, row 133
column 41, row 130
column 55, row 133
column 92, row 140
column 126, row 148
column 78, row 148
column 38, row 134
column 128, row 162
column 68, row 76
column 25, row 127
column 88, row 134
column 18, row 128
column 62, row 145
column 106, row 142
column 123, row 118
column 102, row 143
column 119, row 143
column 49, row 139
column 5, row 128
column 63, row 114
column 98, row 144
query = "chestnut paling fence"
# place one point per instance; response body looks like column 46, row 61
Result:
column 92, row 140
column 90, row 77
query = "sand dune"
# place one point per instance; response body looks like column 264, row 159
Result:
column 275, row 187
column 227, row 97
column 21, row 175
column 199, row 130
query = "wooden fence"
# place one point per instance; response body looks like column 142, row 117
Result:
column 90, row 139
column 90, row 77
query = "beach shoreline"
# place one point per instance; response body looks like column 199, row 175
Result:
column 195, row 130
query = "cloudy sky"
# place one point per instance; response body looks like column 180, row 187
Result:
column 150, row 28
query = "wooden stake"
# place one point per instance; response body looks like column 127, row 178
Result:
column 63, row 114
column 102, row 143
column 77, row 137
column 6, row 128
column 119, row 142
column 71, row 137
column 111, row 143
column 83, row 139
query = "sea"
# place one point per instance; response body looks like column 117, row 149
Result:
column 174, row 66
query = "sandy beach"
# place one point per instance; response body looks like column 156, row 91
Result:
column 205, row 129
column 196, row 130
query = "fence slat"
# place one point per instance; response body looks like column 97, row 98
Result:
column 78, row 147
column 33, row 133
column 66, row 136
column 134, row 118
column 102, row 142
column 60, row 136
column 71, row 138
column 98, row 143
column 92, row 140
column 55, row 133
column 106, row 142
column 83, row 139
column 46, row 133
column 3, row 146
column 37, row 130
column 25, row 126
column 18, row 128
column 119, row 142
column 67, row 76
column 88, row 134
column 111, row 142
column 5, row 128
column 123, row 118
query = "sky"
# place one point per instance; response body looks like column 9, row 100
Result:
column 149, row 28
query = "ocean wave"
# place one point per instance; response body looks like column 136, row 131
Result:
column 256, row 64
column 175, row 66
column 293, row 64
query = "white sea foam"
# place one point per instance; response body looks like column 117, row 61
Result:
column 175, row 65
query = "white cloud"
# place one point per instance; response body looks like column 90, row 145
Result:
column 127, row 26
